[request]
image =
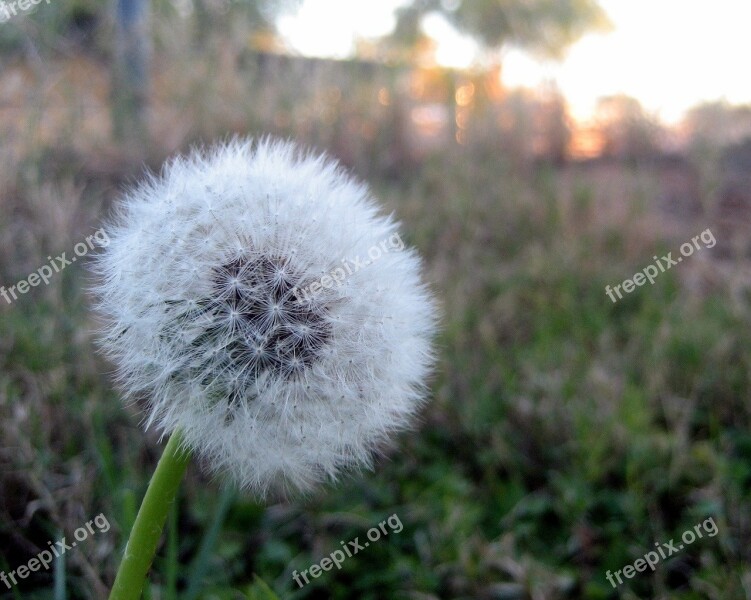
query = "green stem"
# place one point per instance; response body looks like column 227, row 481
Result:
column 147, row 530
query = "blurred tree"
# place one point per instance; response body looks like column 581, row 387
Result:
column 525, row 127
column 554, row 127
column 133, row 50
column 628, row 132
column 259, row 15
column 545, row 27
column 717, row 124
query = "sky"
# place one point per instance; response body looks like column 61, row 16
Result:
column 670, row 54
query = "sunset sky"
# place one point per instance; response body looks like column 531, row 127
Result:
column 670, row 54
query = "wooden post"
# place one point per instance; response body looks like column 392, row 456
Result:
column 131, row 71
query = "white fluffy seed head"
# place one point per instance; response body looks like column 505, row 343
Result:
column 222, row 313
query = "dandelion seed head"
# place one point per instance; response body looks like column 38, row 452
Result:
column 203, row 315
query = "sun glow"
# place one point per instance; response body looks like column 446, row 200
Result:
column 669, row 54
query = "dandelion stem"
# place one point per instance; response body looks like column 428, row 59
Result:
column 147, row 529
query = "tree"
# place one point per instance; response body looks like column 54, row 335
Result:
column 258, row 16
column 544, row 27
column 628, row 131
column 717, row 124
column 132, row 53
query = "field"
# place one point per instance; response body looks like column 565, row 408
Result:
column 566, row 434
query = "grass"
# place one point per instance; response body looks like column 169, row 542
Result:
column 565, row 434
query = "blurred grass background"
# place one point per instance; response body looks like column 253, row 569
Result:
column 566, row 434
